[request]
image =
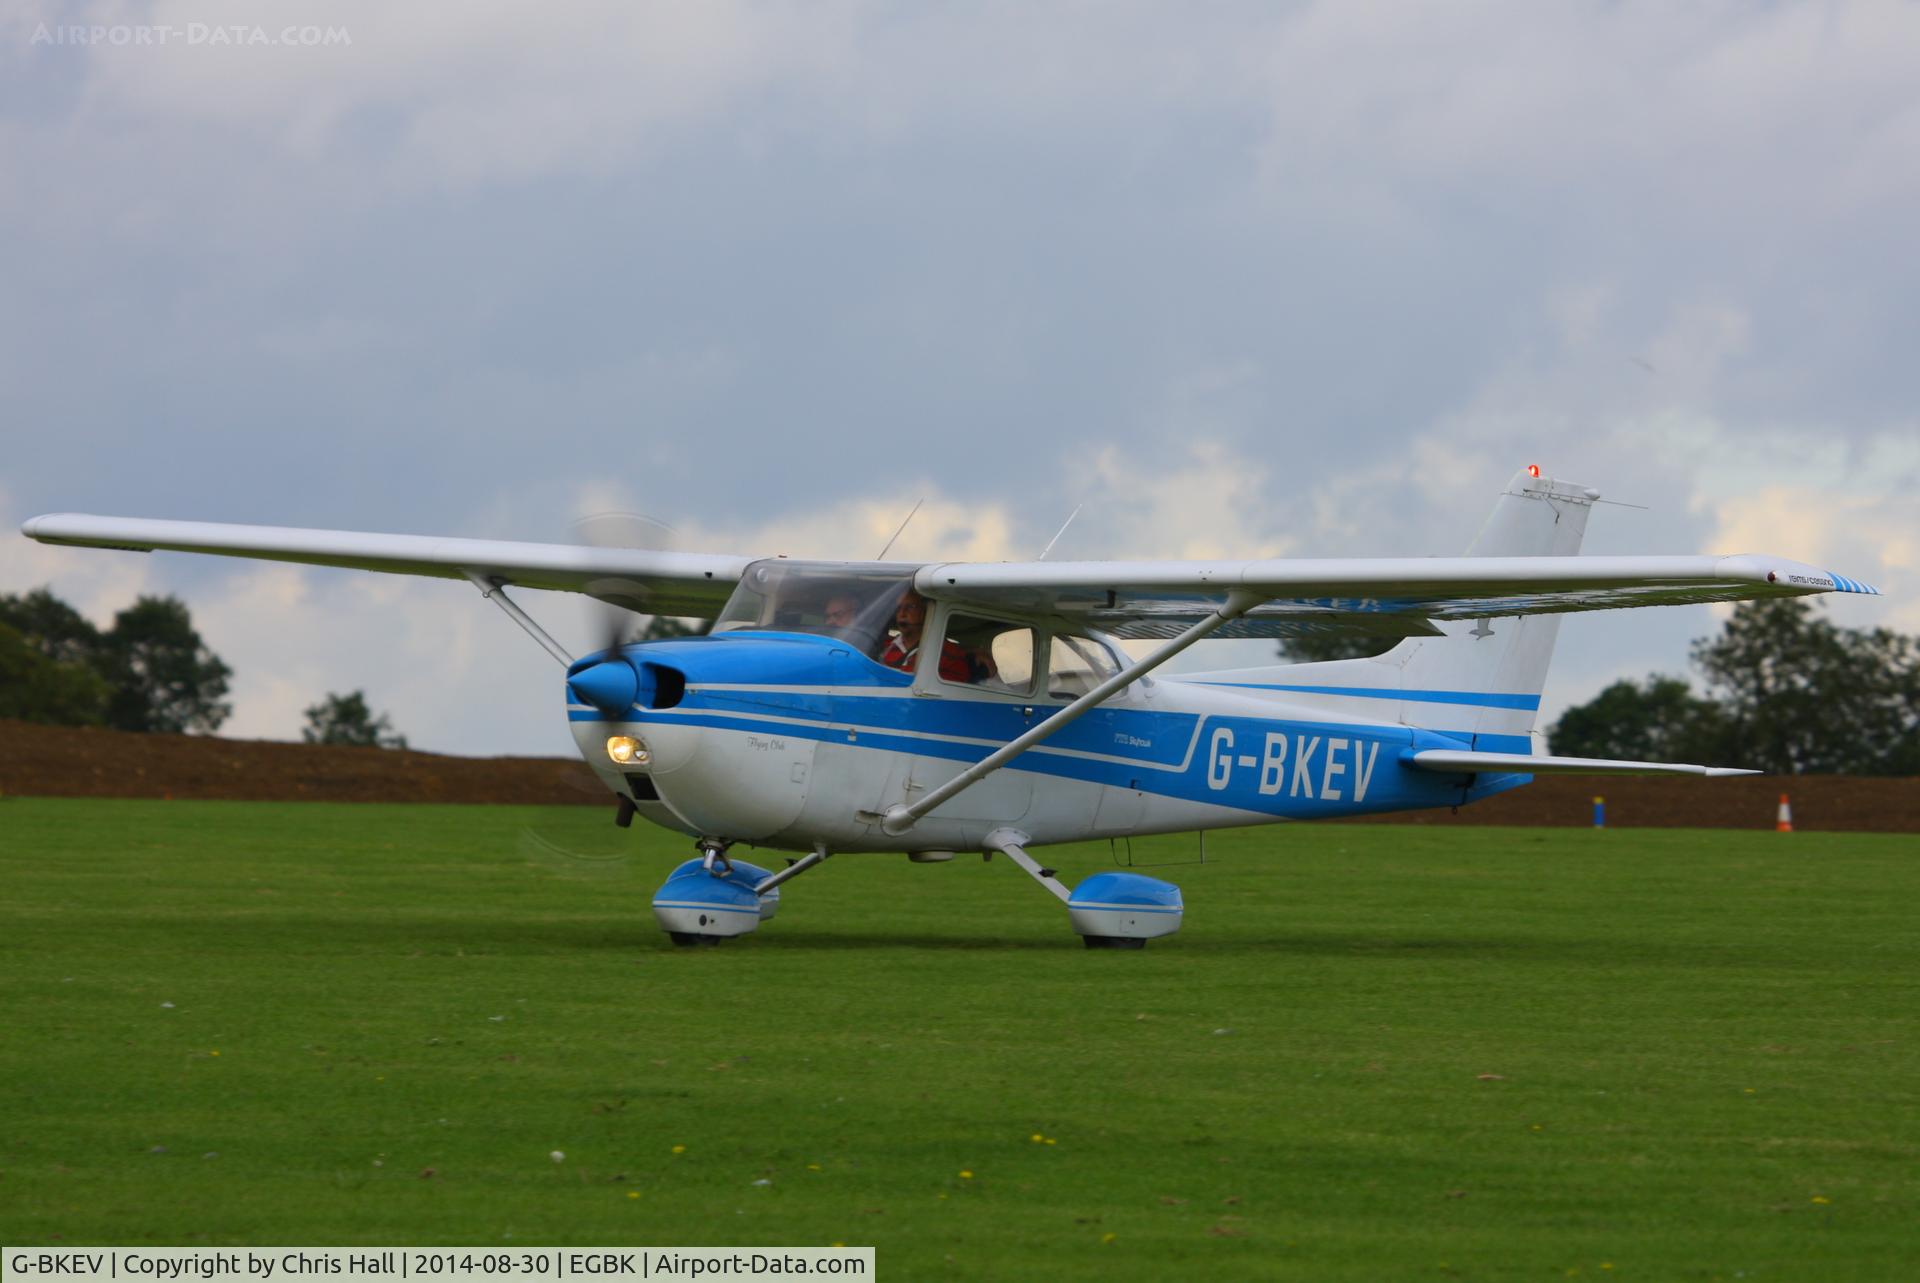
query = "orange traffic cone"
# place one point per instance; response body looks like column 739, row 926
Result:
column 1785, row 823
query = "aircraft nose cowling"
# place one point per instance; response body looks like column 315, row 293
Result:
column 610, row 686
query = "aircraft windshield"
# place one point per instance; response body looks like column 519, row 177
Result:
column 853, row 601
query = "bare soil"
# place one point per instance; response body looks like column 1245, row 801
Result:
column 60, row 761
column 1833, row 803
column 67, row 761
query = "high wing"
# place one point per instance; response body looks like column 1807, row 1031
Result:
column 1386, row 595
column 1129, row 599
column 655, row 583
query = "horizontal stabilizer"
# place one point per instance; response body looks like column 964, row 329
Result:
column 1451, row 762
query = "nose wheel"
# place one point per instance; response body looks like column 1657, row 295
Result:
column 692, row 939
column 711, row 897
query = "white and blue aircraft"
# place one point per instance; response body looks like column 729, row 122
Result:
column 803, row 722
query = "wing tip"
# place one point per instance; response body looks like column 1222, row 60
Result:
column 1841, row 583
column 45, row 528
column 1797, row 577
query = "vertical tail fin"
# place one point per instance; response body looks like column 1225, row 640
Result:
column 1495, row 668
column 1481, row 682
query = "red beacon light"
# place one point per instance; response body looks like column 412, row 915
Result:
column 1533, row 470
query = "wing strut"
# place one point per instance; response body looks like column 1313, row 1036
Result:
column 899, row 818
column 496, row 592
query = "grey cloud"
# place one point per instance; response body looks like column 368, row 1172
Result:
column 745, row 263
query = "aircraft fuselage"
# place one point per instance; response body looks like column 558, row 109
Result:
column 794, row 741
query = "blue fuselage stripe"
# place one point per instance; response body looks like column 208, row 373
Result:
column 1478, row 699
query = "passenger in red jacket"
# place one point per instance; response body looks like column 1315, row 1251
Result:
column 902, row 650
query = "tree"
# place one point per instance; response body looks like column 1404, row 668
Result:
column 52, row 627
column 666, row 627
column 1802, row 695
column 1787, row 692
column 1657, row 720
column 150, row 672
column 1316, row 647
column 346, row 719
column 49, row 662
column 165, row 679
column 34, row 688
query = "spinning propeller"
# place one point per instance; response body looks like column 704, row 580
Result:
column 612, row 684
column 614, row 601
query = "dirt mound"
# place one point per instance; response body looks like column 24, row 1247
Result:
column 66, row 761
column 60, row 761
column 1826, row 802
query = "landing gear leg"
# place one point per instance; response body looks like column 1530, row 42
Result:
column 1109, row 910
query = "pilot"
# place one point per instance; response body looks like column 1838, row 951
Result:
column 841, row 610
column 903, row 648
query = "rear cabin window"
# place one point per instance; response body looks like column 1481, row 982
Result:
column 999, row 655
column 1075, row 665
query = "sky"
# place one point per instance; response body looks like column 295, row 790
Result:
column 1243, row 280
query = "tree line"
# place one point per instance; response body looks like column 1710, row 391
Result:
column 150, row 673
column 1783, row 690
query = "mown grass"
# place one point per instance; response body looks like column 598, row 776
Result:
column 1374, row 1053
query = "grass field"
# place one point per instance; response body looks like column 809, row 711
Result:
column 1373, row 1053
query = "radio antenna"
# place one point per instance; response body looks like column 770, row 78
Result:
column 896, row 534
column 1061, row 531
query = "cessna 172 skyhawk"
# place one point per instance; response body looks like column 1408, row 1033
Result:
column 803, row 723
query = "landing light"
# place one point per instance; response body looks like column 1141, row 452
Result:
column 628, row 751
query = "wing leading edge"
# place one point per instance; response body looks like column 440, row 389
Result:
column 661, row 583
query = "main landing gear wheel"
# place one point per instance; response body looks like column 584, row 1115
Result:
column 1124, row 910
column 1109, row 910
